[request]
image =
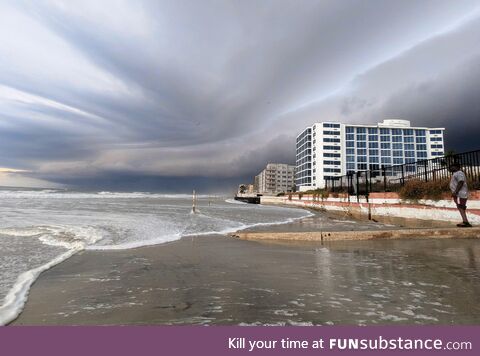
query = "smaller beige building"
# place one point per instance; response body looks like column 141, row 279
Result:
column 275, row 178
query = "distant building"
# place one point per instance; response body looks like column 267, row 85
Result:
column 276, row 178
column 327, row 150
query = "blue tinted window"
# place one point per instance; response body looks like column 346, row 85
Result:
column 362, row 144
column 373, row 137
column 361, row 130
column 350, row 151
column 385, row 138
column 408, row 139
column 349, row 129
column 350, row 158
column 372, row 130
column 397, row 138
column 385, row 145
column 373, row 145
column 361, row 151
column 397, row 153
column 419, row 132
column 409, row 146
column 350, row 143
column 373, row 152
column 386, row 152
column 361, row 159
column 384, row 131
column 350, row 136
column 397, row 146
column 361, row 137
column 420, row 140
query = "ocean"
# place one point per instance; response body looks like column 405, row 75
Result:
column 41, row 228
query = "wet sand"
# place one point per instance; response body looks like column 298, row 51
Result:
column 222, row 280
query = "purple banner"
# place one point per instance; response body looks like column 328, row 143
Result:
column 165, row 340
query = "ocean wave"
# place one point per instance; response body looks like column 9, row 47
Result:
column 72, row 238
column 62, row 194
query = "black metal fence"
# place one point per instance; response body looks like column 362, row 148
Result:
column 391, row 178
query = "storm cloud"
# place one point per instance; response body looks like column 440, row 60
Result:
column 173, row 94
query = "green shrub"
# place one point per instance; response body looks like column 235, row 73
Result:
column 280, row 194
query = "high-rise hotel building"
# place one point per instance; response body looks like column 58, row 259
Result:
column 327, row 150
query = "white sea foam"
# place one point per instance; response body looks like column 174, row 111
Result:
column 73, row 239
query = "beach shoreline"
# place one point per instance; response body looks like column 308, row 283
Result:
column 221, row 280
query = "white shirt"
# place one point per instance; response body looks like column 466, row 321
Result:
column 458, row 177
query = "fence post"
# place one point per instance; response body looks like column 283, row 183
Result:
column 384, row 172
column 403, row 175
column 425, row 163
column 358, row 185
column 366, row 184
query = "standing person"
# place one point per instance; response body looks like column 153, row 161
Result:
column 459, row 188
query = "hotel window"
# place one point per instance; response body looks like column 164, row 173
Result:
column 397, row 153
column 361, row 166
column 373, row 159
column 328, row 139
column 350, row 158
column 350, row 143
column 372, row 131
column 331, row 125
column 386, row 152
column 385, row 138
column 435, row 132
column 361, row 158
column 362, row 144
column 409, row 139
column 350, row 136
column 396, row 132
column 386, row 160
column 384, row 131
column 420, row 140
column 349, row 129
column 331, row 132
column 408, row 132
column 361, row 152
column 361, row 130
column 409, row 153
column 437, row 153
column 435, row 139
column 419, row 132
column 332, row 147
column 350, row 151
column 398, row 161
column 361, row 137
column 331, row 163
column 373, row 152
column 332, row 155
column 385, row 145
column 436, row 146
column 372, row 137
column 350, row 165
column 397, row 139
column 409, row 146
column 373, row 145
column 397, row 146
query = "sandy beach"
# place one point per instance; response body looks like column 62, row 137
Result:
column 222, row 280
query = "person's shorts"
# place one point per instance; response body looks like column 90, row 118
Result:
column 461, row 202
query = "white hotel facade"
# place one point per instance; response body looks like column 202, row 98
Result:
column 327, row 150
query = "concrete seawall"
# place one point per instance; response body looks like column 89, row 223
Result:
column 362, row 235
column 384, row 205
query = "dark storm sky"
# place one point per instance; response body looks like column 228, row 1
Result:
column 169, row 95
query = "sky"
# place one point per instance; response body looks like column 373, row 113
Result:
column 176, row 95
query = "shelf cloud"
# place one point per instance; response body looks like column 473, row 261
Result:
column 174, row 94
